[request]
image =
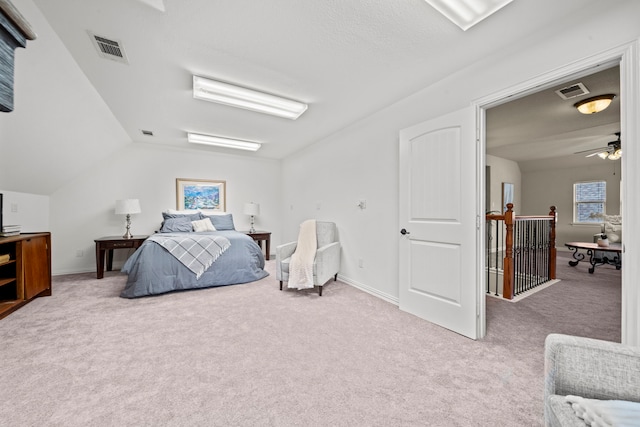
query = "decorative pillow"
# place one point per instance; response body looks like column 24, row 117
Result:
column 192, row 216
column 222, row 222
column 171, row 225
column 203, row 225
column 182, row 212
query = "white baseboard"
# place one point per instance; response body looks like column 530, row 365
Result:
column 65, row 272
column 376, row 293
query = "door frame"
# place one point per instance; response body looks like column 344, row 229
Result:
column 628, row 57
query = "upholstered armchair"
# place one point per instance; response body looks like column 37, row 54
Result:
column 327, row 260
column 589, row 368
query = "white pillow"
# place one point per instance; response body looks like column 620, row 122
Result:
column 184, row 212
column 209, row 212
column 203, row 225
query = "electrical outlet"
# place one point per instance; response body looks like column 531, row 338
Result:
column 79, row 253
column 360, row 263
column 14, row 207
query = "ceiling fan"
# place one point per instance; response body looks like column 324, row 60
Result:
column 613, row 150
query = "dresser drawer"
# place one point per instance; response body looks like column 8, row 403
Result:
column 120, row 245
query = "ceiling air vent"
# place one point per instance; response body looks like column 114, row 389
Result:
column 572, row 91
column 146, row 132
column 109, row 48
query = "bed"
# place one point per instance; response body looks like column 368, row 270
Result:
column 153, row 270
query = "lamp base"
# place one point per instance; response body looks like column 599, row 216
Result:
column 252, row 230
column 128, row 234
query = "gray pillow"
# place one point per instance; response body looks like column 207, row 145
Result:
column 192, row 217
column 182, row 223
column 222, row 222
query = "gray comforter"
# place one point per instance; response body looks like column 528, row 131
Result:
column 153, row 270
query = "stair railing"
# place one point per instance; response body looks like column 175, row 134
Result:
column 529, row 250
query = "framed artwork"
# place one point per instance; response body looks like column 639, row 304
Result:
column 201, row 194
column 507, row 195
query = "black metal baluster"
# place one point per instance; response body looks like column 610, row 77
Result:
column 517, row 264
column 488, row 251
column 498, row 242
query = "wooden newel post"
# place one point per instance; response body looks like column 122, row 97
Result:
column 507, row 270
column 552, row 243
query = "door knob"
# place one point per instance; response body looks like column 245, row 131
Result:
column 404, row 231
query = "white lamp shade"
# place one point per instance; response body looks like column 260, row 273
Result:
column 127, row 206
column 251, row 209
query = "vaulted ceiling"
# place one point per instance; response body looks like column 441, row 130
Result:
column 346, row 59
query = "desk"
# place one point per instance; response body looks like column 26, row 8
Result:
column 259, row 236
column 108, row 244
column 615, row 251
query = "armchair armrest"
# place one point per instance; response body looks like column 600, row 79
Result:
column 327, row 262
column 283, row 252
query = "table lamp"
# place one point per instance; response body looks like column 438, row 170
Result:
column 128, row 207
column 252, row 209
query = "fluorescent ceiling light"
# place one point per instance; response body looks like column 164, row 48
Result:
column 467, row 13
column 236, row 96
column 220, row 141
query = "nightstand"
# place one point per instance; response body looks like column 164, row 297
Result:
column 108, row 244
column 259, row 237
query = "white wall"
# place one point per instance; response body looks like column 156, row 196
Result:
column 59, row 120
column 30, row 211
column 503, row 170
column 555, row 187
column 83, row 210
column 362, row 160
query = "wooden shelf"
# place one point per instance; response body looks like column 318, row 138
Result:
column 7, row 280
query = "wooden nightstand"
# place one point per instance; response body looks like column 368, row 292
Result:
column 108, row 244
column 260, row 236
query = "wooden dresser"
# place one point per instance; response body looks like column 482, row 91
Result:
column 27, row 273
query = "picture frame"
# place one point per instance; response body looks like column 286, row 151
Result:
column 201, row 194
column 507, row 195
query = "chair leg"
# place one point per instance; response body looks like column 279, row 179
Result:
column 320, row 290
column 280, row 284
column 335, row 278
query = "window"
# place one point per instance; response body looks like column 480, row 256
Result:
column 589, row 201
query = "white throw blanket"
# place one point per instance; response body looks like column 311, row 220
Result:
column 606, row 413
column 301, row 265
column 194, row 251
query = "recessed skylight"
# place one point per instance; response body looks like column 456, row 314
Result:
column 249, row 99
column 467, row 13
column 219, row 141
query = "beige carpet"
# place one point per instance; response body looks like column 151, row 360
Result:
column 251, row 355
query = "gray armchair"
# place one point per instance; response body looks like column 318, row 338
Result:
column 588, row 368
column 326, row 263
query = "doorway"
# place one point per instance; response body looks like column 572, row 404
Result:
column 624, row 57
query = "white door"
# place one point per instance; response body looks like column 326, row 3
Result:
column 438, row 260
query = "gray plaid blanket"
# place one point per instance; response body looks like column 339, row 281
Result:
column 196, row 251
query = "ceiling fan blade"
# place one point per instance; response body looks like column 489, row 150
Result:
column 594, row 154
column 597, row 150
